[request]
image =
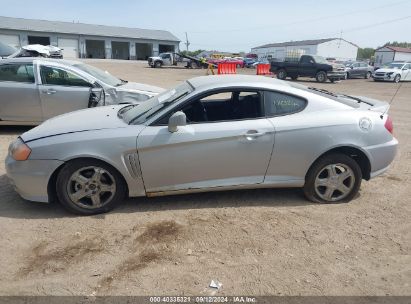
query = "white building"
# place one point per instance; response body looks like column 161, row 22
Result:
column 388, row 54
column 337, row 48
column 88, row 40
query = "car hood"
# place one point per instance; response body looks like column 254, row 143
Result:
column 77, row 121
column 155, row 58
column 140, row 87
column 385, row 70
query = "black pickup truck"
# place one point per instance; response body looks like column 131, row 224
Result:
column 308, row 66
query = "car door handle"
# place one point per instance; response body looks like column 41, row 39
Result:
column 251, row 134
column 49, row 91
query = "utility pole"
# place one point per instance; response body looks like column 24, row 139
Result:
column 187, row 43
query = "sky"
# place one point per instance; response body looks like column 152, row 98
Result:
column 236, row 25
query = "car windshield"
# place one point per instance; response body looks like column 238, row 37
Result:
column 141, row 113
column 99, row 74
column 164, row 55
column 394, row 65
column 319, row 59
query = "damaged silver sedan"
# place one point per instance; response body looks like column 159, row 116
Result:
column 35, row 89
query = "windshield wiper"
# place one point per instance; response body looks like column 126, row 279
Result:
column 121, row 83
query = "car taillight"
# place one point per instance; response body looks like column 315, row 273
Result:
column 388, row 125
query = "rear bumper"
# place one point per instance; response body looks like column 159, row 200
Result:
column 381, row 156
column 30, row 178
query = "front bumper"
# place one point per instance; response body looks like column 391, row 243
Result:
column 383, row 78
column 381, row 156
column 336, row 75
column 30, row 178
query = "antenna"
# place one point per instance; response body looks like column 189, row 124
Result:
column 187, row 43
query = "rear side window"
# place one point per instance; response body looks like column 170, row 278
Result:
column 276, row 103
column 19, row 72
column 57, row 76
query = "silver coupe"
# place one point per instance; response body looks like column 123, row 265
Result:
column 35, row 89
column 209, row 133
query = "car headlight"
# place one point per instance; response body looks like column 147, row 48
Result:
column 390, row 73
column 19, row 150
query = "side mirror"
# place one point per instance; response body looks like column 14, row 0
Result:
column 352, row 67
column 97, row 96
column 405, row 69
column 176, row 120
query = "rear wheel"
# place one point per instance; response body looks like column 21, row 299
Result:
column 333, row 178
column 87, row 186
column 282, row 74
column 397, row 78
column 321, row 76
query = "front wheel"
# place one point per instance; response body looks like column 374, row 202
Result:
column 397, row 78
column 334, row 178
column 368, row 75
column 321, row 76
column 157, row 64
column 86, row 187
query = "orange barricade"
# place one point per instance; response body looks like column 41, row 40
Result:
column 227, row 68
column 263, row 69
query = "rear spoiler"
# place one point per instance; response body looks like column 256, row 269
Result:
column 376, row 105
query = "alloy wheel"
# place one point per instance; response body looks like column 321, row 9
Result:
column 91, row 187
column 334, row 182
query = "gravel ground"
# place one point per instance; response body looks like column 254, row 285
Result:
column 255, row 242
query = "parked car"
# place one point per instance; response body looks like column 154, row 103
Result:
column 239, row 63
column 38, row 50
column 355, row 69
column 248, row 62
column 395, row 71
column 209, row 133
column 308, row 66
column 6, row 50
column 35, row 89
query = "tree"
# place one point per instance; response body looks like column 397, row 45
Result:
column 192, row 53
column 399, row 44
column 365, row 53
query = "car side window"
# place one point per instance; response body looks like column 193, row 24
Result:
column 18, row 72
column 56, row 76
column 221, row 106
column 306, row 59
column 276, row 103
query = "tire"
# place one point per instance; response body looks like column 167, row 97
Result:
column 325, row 177
column 347, row 76
column 92, row 176
column 157, row 64
column 321, row 76
column 282, row 74
column 368, row 75
column 397, row 78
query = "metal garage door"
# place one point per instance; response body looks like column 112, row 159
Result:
column 69, row 46
column 12, row 40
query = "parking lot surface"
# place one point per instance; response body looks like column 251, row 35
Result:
column 255, row 242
